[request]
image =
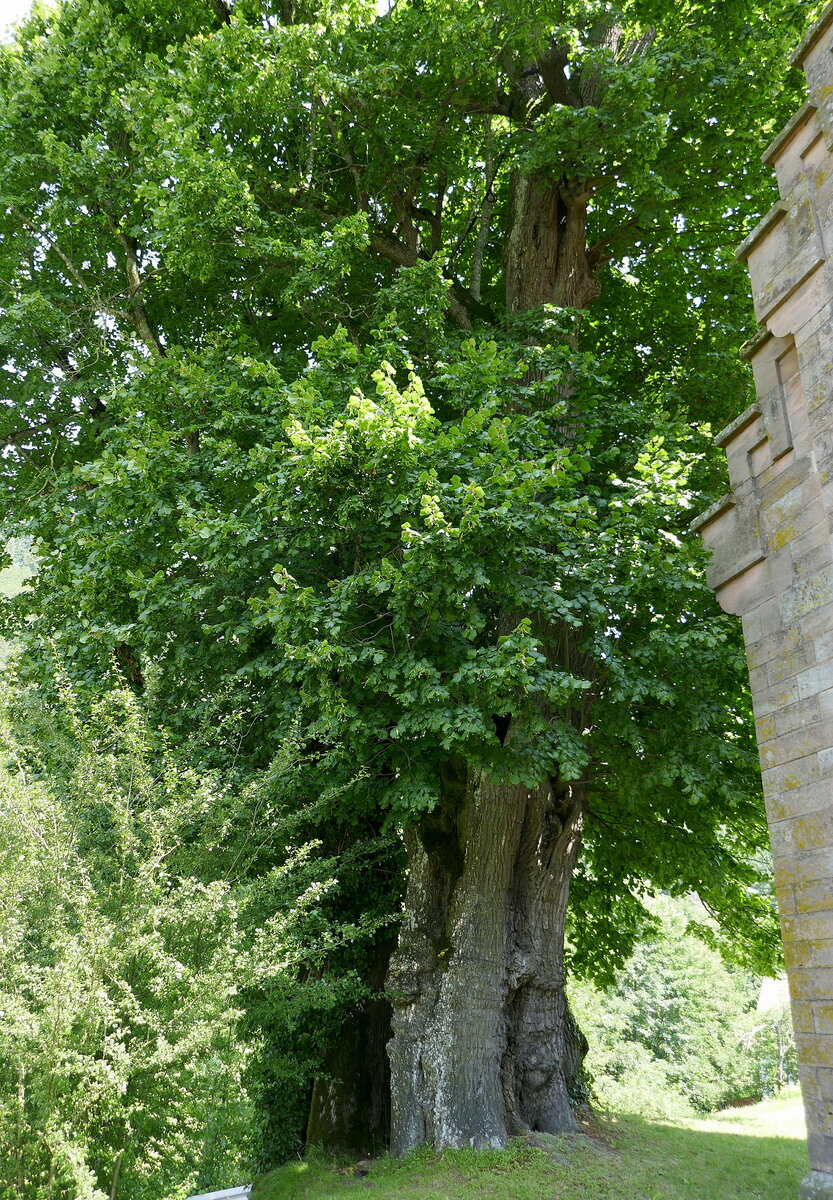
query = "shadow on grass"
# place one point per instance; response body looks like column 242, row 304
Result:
column 711, row 1160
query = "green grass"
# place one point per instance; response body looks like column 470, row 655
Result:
column 756, row 1153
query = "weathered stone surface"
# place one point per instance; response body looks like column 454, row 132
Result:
column 813, row 55
column 797, row 716
column 794, row 871
column 803, row 1021
column 772, row 542
column 785, row 252
column 796, row 801
column 739, row 545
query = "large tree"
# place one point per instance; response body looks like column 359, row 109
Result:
column 358, row 372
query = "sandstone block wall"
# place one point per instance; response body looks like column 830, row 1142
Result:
column 772, row 563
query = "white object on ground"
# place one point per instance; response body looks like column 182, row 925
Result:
column 235, row 1193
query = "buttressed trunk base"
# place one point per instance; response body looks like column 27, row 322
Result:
column 483, row 1044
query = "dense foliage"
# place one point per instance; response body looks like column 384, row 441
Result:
column 316, row 454
column 132, row 951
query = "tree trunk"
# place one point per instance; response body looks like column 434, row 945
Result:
column 483, row 1045
column 350, row 1105
column 546, row 260
column 545, row 1049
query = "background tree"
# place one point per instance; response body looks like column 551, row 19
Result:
column 144, row 980
column 678, row 1032
column 357, row 373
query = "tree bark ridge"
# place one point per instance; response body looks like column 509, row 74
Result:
column 481, row 1024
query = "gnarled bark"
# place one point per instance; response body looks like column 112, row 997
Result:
column 546, row 259
column 483, row 1044
column 544, row 1048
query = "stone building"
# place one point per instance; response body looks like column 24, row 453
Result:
column 772, row 564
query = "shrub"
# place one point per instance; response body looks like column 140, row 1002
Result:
column 673, row 1033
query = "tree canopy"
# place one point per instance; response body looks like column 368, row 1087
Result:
column 359, row 375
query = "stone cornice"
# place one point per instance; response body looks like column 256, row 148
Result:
column 812, row 36
column 776, row 213
column 804, row 114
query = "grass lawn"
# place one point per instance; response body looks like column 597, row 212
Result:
column 755, row 1153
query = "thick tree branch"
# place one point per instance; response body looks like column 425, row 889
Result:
column 501, row 106
column 486, row 207
column 73, row 271
column 137, row 313
column 434, row 221
column 457, row 311
column 397, row 252
column 17, row 436
column 636, row 49
column 349, row 161
column 551, row 66
column 222, row 11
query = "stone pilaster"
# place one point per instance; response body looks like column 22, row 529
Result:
column 772, row 565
